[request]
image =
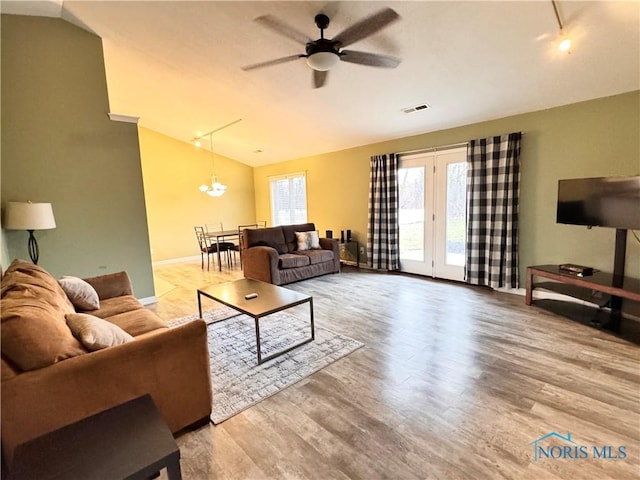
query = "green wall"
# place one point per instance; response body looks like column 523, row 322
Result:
column 589, row 139
column 59, row 146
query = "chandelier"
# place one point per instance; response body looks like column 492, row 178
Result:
column 215, row 189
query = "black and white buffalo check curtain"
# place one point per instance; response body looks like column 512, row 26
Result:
column 493, row 190
column 382, row 238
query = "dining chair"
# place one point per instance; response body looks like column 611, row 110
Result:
column 213, row 227
column 207, row 247
column 225, row 247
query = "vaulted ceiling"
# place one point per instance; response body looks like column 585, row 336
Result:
column 178, row 66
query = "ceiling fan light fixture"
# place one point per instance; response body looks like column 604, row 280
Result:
column 323, row 61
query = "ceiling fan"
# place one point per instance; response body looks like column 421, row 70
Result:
column 323, row 54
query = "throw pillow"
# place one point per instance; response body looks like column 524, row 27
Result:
column 82, row 295
column 95, row 333
column 308, row 240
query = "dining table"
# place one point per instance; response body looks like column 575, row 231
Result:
column 219, row 237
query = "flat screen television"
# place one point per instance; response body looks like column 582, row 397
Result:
column 600, row 202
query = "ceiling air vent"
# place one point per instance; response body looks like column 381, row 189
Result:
column 415, row 108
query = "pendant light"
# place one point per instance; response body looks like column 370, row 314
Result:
column 215, row 189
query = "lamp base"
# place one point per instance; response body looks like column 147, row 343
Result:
column 34, row 251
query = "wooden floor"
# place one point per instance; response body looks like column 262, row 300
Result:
column 454, row 382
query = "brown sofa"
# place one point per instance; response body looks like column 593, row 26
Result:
column 272, row 255
column 51, row 379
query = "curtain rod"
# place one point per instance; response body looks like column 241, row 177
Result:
column 438, row 148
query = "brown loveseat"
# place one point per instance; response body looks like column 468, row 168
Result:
column 273, row 255
column 50, row 379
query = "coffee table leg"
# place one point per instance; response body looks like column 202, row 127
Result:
column 288, row 349
column 313, row 329
column 199, row 305
column 257, row 320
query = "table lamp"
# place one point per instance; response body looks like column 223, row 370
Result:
column 29, row 216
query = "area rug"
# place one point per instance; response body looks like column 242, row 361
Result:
column 238, row 381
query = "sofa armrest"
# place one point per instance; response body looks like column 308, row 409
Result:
column 172, row 365
column 261, row 263
column 333, row 245
column 330, row 244
column 111, row 285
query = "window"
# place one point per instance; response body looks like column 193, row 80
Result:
column 288, row 199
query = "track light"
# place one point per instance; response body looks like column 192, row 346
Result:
column 565, row 45
column 565, row 41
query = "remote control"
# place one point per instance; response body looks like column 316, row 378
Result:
column 249, row 296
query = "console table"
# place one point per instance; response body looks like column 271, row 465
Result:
column 575, row 286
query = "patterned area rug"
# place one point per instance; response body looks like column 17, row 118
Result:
column 238, row 381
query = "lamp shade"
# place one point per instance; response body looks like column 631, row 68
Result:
column 28, row 216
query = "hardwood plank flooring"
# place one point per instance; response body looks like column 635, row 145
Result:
column 454, row 382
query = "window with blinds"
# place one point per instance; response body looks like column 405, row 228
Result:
column 288, row 199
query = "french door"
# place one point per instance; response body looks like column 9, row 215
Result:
column 432, row 219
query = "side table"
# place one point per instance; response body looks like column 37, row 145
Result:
column 350, row 253
column 129, row 441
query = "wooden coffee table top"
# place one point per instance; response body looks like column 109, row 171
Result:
column 270, row 299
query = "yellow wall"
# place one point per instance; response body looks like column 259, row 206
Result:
column 172, row 172
column 589, row 139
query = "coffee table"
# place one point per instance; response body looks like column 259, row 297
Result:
column 270, row 299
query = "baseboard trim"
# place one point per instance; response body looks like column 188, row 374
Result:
column 171, row 261
column 148, row 300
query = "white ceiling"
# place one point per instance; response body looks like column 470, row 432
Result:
column 177, row 65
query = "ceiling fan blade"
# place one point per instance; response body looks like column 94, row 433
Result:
column 277, row 61
column 371, row 59
column 283, row 29
column 319, row 78
column 367, row 26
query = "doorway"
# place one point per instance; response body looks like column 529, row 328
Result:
column 432, row 213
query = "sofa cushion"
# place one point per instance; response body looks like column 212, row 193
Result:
column 8, row 371
column 82, row 295
column 271, row 237
column 137, row 322
column 289, row 232
column 317, row 256
column 34, row 330
column 95, row 333
column 110, row 307
column 290, row 260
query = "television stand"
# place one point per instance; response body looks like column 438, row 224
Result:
column 574, row 286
